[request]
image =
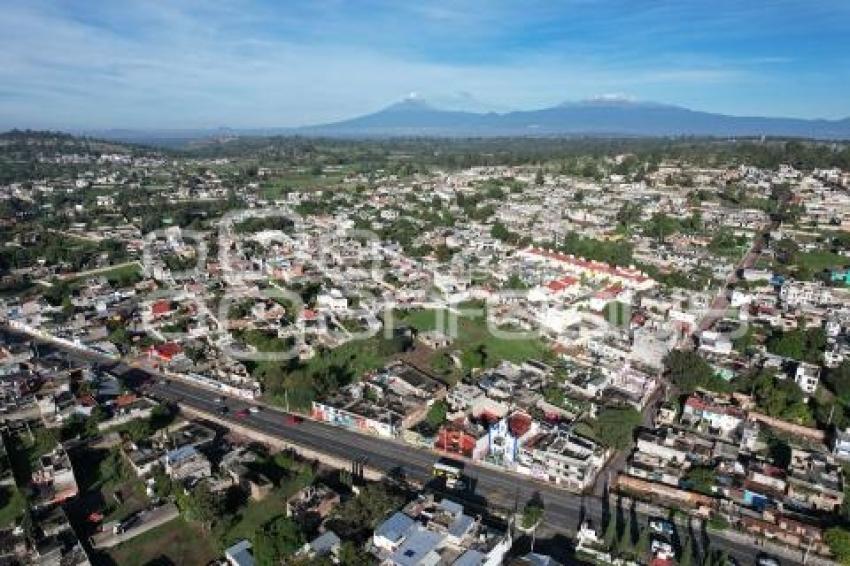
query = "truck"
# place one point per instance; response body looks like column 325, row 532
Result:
column 451, row 471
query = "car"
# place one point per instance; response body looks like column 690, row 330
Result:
column 766, row 560
column 254, row 409
column 293, row 419
column 242, row 413
column 223, row 409
column 661, row 548
column 661, row 526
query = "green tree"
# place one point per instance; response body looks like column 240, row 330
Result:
column 838, row 381
column 642, row 547
column 538, row 177
column 615, row 427
column 276, row 540
column 610, row 537
column 437, row 414
column 838, row 539
column 686, row 558
column 689, row 371
column 200, row 505
column 352, row 555
column 701, row 479
column 532, row 513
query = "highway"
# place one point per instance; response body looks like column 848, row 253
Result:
column 494, row 489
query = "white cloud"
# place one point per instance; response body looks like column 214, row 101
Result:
column 155, row 65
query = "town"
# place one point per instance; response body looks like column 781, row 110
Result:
column 217, row 359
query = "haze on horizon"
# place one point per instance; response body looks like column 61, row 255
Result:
column 259, row 63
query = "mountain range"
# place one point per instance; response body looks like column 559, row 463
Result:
column 598, row 117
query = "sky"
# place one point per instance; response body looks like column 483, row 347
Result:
column 178, row 64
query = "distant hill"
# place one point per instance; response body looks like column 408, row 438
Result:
column 595, row 117
column 600, row 117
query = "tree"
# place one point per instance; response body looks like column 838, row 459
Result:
column 629, row 214
column 610, row 537
column 624, row 544
column 200, row 505
column 615, row 427
column 838, row 381
column 687, row 556
column 689, row 371
column 642, row 547
column 352, row 555
column 701, row 479
column 617, row 314
column 364, row 511
column 532, row 513
column 437, row 414
column 278, row 539
column 838, row 539
column 538, row 177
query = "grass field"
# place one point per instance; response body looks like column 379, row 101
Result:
column 13, row 504
column 288, row 476
column 277, row 187
column 818, row 261
column 478, row 346
column 176, row 542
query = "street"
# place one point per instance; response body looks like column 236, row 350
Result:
column 494, row 489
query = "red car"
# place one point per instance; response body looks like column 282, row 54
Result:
column 293, row 419
column 242, row 413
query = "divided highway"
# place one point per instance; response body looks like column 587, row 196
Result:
column 494, row 488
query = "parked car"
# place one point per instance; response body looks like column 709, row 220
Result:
column 765, row 560
column 662, row 549
column 293, row 419
column 254, row 409
column 661, row 526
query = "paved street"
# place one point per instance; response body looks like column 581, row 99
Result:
column 493, row 488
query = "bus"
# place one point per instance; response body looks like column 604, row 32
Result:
column 451, row 471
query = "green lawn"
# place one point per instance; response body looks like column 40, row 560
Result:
column 176, row 542
column 25, row 451
column 288, row 475
column 820, row 260
column 478, row 346
column 275, row 188
column 13, row 504
column 106, row 471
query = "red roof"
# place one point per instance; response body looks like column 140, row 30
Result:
column 596, row 266
column 124, row 400
column 562, row 283
column 519, row 424
column 167, row 350
column 87, row 401
column 308, row 314
column 161, row 307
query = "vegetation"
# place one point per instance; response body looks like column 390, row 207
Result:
column 615, row 427
column 838, row 539
column 689, row 371
column 278, row 539
column 532, row 513
column 701, row 479
column 776, row 397
column 356, row 518
column 803, row 345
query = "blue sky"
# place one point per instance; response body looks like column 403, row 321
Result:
column 264, row 63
